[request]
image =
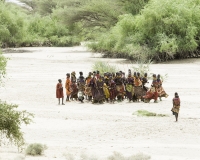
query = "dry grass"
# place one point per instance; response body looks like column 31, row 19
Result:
column 104, row 67
column 35, row 149
column 83, row 156
column 115, row 156
column 119, row 156
column 148, row 114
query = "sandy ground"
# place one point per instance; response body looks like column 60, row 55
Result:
column 99, row 130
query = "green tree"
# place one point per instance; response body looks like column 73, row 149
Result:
column 162, row 31
column 132, row 6
column 11, row 25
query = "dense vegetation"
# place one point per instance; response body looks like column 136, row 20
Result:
column 21, row 27
column 163, row 30
column 141, row 30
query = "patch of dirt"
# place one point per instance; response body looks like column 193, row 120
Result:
column 99, row 130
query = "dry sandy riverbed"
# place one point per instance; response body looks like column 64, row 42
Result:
column 100, row 130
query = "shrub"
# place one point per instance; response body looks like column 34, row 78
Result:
column 162, row 31
column 103, row 67
column 148, row 114
column 3, row 62
column 35, row 149
column 142, row 68
column 10, row 123
column 12, row 25
column 69, row 156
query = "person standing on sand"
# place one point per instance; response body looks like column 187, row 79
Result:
column 59, row 91
column 67, row 86
column 176, row 105
column 129, row 86
column 73, row 87
column 112, row 89
column 81, row 87
column 155, row 86
column 160, row 89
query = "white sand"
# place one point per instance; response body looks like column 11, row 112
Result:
column 100, row 130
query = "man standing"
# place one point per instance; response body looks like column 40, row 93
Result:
column 59, row 91
column 155, row 86
column 67, row 87
column 176, row 105
column 81, row 87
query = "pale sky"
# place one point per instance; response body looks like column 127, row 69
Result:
column 15, row 1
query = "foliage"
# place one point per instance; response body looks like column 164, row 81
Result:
column 11, row 25
column 162, row 31
column 148, row 114
column 19, row 28
column 3, row 62
column 11, row 121
column 104, row 67
column 164, row 77
column 139, row 156
column 132, row 6
column 142, row 68
column 35, row 149
column 50, row 31
column 139, row 30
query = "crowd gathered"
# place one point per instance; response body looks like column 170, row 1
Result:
column 110, row 87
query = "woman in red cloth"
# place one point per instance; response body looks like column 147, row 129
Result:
column 59, row 91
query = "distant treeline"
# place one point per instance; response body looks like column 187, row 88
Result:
column 140, row 30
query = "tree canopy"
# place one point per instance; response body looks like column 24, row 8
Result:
column 145, row 30
column 163, row 30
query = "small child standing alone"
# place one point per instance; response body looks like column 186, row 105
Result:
column 176, row 105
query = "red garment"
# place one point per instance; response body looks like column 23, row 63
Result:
column 176, row 101
column 59, row 91
column 151, row 95
column 112, row 90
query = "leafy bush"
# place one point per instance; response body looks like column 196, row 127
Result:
column 11, row 25
column 103, row 67
column 10, row 123
column 21, row 28
column 148, row 114
column 35, row 149
column 162, row 31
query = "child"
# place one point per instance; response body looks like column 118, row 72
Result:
column 176, row 105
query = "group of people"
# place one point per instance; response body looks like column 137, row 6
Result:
column 111, row 87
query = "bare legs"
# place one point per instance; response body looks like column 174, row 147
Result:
column 59, row 101
column 176, row 116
